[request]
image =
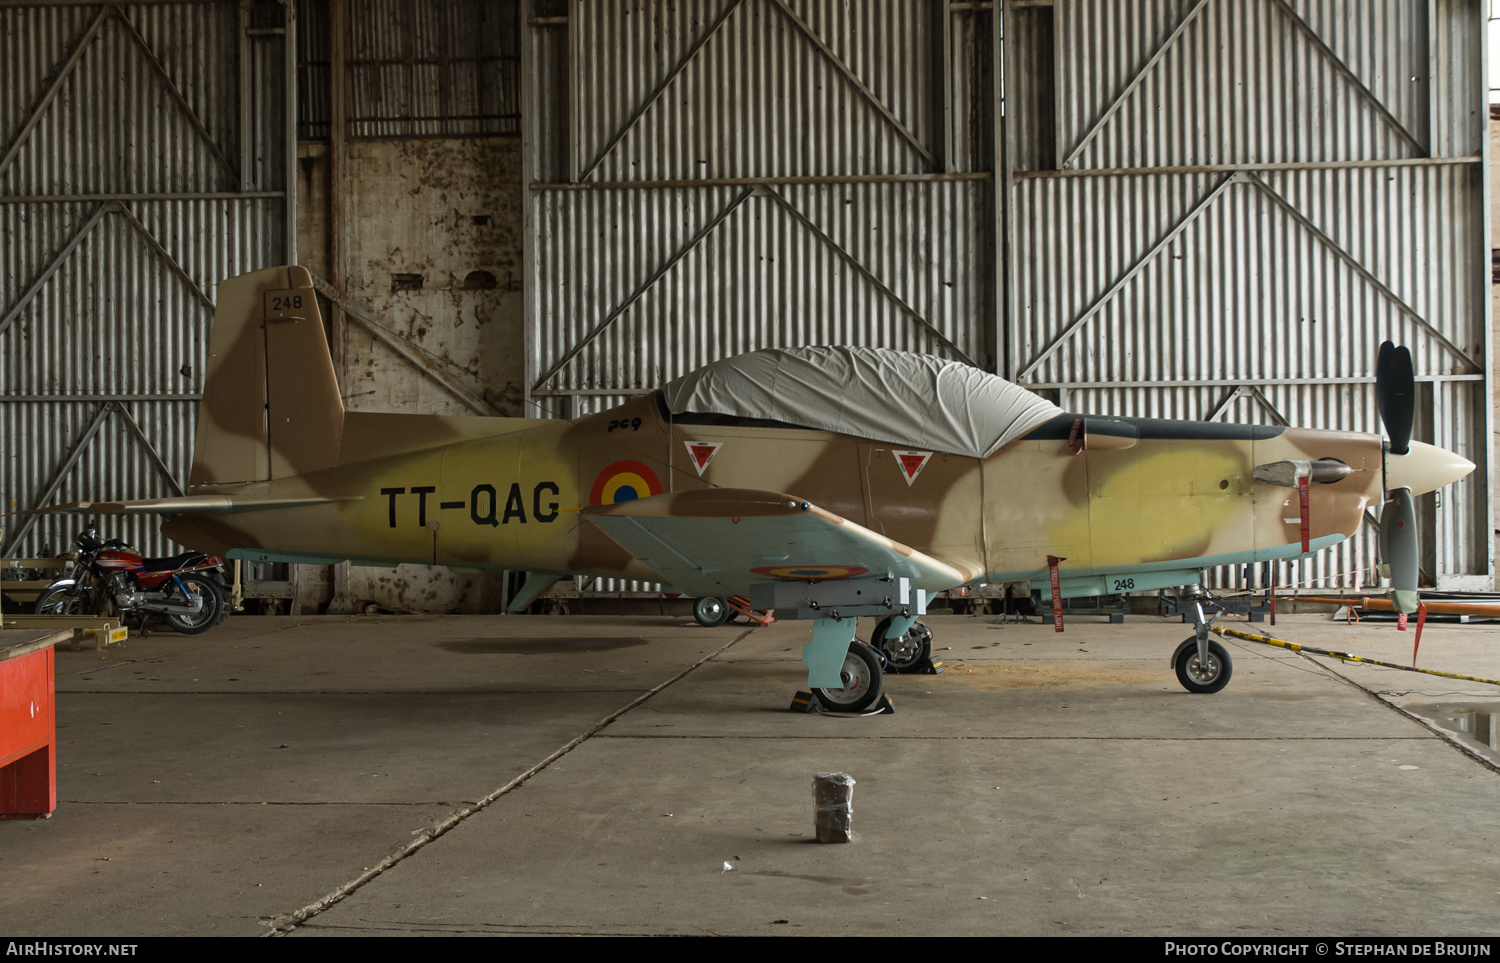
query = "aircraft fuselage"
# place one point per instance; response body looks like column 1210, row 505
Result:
column 1138, row 504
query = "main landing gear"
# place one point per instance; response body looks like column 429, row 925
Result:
column 903, row 653
column 863, row 681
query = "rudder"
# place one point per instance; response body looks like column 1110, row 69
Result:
column 271, row 405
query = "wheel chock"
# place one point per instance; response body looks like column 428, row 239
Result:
column 930, row 666
column 808, row 704
column 805, row 702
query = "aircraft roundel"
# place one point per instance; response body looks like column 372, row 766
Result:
column 622, row 482
column 810, row 573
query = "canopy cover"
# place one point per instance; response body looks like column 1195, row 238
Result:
column 878, row 393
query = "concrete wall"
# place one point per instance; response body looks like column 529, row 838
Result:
column 444, row 214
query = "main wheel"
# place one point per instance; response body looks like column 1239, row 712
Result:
column 711, row 612
column 62, row 600
column 203, row 587
column 907, row 652
column 861, row 675
column 1199, row 678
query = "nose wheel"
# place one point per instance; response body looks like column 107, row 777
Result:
column 1202, row 676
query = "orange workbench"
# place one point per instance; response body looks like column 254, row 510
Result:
column 28, row 723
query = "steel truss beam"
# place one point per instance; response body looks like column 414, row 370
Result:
column 859, row 85
column 645, row 286
column 1254, row 394
column 65, row 70
column 1376, row 163
column 109, row 207
column 764, row 191
column 661, row 88
column 1254, row 180
column 1231, row 382
column 540, row 187
column 1136, row 268
column 823, row 48
column 156, row 196
column 868, row 275
column 1323, row 49
column 1136, row 81
column 182, row 101
column 76, row 452
column 419, row 358
column 1347, row 74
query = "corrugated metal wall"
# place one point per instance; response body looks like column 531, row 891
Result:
column 143, row 159
column 748, row 100
column 417, row 68
column 1216, row 208
column 736, row 174
column 1249, row 197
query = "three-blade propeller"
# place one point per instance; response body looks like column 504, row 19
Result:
column 1395, row 395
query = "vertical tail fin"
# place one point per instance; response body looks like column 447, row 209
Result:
column 271, row 405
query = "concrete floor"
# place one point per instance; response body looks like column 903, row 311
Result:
column 274, row 771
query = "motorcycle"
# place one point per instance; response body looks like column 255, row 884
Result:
column 181, row 589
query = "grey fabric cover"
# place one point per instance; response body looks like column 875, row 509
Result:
column 915, row 400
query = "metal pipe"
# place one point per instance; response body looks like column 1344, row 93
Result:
column 289, row 121
column 200, row 196
column 1270, row 166
column 764, row 181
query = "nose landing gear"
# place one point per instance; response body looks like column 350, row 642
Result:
column 1202, row 665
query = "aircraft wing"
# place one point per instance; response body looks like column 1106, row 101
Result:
column 184, row 504
column 720, row 541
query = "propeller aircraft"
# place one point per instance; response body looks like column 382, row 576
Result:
column 828, row 483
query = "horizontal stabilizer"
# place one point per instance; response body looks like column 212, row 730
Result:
column 720, row 541
column 185, row 505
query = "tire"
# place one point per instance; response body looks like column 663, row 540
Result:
column 1201, row 680
column 62, row 600
column 862, row 681
column 711, row 612
column 906, row 653
column 208, row 616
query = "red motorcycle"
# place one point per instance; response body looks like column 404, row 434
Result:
column 181, row 589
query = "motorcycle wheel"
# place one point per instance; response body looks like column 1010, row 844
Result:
column 208, row 616
column 62, row 600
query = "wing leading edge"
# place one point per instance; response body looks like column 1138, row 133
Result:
column 720, row 541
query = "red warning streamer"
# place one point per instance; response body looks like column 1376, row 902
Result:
column 1057, row 619
column 1302, row 502
column 1421, row 621
column 1075, row 444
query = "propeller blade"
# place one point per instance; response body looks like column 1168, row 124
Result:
column 1395, row 395
column 1400, row 549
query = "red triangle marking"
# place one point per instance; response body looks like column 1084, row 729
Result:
column 702, row 453
column 911, row 463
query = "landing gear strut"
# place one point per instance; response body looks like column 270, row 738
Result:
column 1202, row 665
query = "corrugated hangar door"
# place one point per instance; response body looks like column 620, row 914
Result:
column 1201, row 209
column 144, row 153
column 709, row 177
column 1220, row 208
